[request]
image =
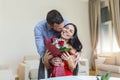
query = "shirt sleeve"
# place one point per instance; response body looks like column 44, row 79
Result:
column 65, row 22
column 39, row 40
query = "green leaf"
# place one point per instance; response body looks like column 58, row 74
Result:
column 67, row 49
column 102, row 77
column 107, row 75
column 64, row 49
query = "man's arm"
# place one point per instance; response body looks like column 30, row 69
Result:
column 47, row 58
column 39, row 40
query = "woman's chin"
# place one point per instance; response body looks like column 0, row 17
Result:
column 63, row 37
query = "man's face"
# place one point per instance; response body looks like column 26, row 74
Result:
column 58, row 27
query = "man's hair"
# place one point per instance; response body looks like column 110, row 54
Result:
column 54, row 16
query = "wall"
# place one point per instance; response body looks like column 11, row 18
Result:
column 17, row 21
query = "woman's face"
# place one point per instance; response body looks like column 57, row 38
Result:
column 67, row 32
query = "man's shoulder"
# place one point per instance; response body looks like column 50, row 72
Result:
column 41, row 23
column 65, row 21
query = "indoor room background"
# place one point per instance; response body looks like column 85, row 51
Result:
column 19, row 17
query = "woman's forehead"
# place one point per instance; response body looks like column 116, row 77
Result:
column 70, row 27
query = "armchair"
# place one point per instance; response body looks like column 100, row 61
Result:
column 28, row 69
column 83, row 67
column 108, row 63
column 6, row 73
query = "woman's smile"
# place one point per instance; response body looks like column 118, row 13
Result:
column 67, row 32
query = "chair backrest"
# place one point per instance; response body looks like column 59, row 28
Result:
column 3, row 67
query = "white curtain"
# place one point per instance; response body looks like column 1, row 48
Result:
column 95, row 20
column 115, row 14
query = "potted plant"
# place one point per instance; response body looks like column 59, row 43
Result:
column 104, row 77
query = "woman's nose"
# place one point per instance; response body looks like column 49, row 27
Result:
column 67, row 30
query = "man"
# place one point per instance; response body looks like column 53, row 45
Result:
column 51, row 27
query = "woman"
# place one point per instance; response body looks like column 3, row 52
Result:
column 69, row 34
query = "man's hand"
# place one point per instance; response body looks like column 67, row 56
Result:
column 46, row 59
column 47, row 56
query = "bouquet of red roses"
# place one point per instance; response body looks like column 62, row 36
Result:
column 56, row 46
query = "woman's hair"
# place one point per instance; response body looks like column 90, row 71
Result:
column 75, row 42
column 54, row 16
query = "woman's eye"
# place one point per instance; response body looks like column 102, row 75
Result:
column 71, row 31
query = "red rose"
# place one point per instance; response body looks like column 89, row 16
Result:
column 53, row 39
column 61, row 43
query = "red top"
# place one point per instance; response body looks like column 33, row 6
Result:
column 67, row 70
column 61, row 70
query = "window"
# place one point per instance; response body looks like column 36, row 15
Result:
column 107, row 40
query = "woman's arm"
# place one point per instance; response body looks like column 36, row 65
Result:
column 70, row 60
